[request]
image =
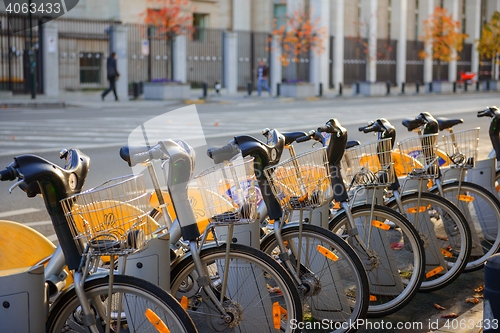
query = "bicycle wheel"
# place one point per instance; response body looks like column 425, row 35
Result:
column 260, row 295
column 131, row 298
column 445, row 233
column 482, row 211
column 334, row 281
column 391, row 251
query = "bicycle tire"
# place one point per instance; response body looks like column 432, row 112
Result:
column 256, row 283
column 481, row 209
column 394, row 278
column 338, row 285
column 65, row 313
column 447, row 254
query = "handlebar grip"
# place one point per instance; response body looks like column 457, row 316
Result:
column 303, row 139
column 9, row 173
column 152, row 154
column 224, row 153
column 327, row 129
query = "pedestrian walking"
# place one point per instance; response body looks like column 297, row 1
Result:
column 112, row 75
column 262, row 73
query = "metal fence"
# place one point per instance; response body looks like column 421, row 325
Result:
column 354, row 60
column 414, row 65
column 149, row 55
column 464, row 63
column 386, row 60
column 252, row 47
column 205, row 56
column 15, row 54
column 83, row 49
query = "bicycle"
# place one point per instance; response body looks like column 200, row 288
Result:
column 97, row 302
column 392, row 283
column 442, row 227
column 223, row 286
column 329, row 275
column 480, row 207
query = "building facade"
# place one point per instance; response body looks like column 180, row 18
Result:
column 367, row 40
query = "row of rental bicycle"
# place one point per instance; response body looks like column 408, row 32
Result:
column 263, row 241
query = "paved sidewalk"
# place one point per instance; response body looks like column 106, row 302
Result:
column 92, row 99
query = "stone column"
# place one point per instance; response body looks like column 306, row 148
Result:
column 119, row 42
column 242, row 10
column 338, row 40
column 275, row 65
column 398, row 29
column 425, row 9
column 230, row 60
column 50, row 58
column 369, row 31
column 180, row 59
column 473, row 29
column 319, row 65
column 451, row 7
column 491, row 7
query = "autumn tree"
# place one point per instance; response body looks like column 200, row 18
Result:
column 488, row 45
column 298, row 35
column 444, row 36
column 168, row 19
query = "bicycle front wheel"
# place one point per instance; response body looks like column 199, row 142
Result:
column 260, row 296
column 481, row 209
column 334, row 283
column 445, row 233
column 137, row 306
column 391, row 251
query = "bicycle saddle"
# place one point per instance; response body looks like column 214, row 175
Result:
column 352, row 143
column 445, row 123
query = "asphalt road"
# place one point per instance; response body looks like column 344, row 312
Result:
column 100, row 132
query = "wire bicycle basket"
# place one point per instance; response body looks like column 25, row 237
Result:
column 369, row 164
column 301, row 182
column 112, row 218
column 419, row 156
column 462, row 147
column 229, row 192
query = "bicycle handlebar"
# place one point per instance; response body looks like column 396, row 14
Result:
column 9, row 173
column 490, row 111
column 224, row 153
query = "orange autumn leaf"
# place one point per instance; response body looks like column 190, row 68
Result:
column 450, row 315
column 479, row 289
column 472, row 300
column 439, row 307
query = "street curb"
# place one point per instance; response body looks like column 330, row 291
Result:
column 472, row 317
column 35, row 105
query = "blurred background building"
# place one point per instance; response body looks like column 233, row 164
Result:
column 366, row 41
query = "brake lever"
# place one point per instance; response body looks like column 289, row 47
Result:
column 16, row 184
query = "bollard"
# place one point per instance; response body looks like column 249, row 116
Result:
column 340, row 89
column 477, row 86
column 135, row 90
column 487, row 85
column 388, row 87
column 320, row 89
column 430, row 87
column 454, row 87
column 141, row 87
column 357, row 88
column 417, row 86
column 402, row 88
column 491, row 305
column 249, row 88
column 277, row 89
column 465, row 86
column 205, row 87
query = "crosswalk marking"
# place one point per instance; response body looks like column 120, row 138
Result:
column 19, row 212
